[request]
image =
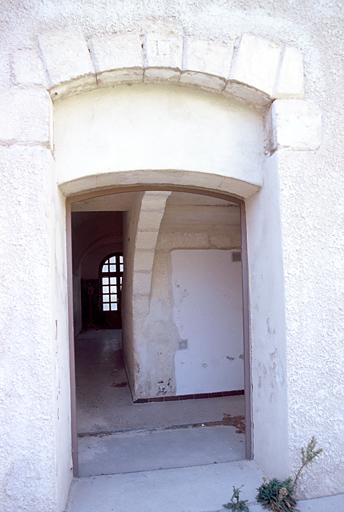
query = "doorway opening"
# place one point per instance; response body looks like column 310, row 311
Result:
column 159, row 320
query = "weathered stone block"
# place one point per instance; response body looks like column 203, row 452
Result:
column 294, row 124
column 144, row 260
column 150, row 220
column 28, row 68
column 26, row 116
column 140, row 310
column 205, row 63
column 66, row 56
column 290, row 82
column 142, row 283
column 119, row 76
column 163, row 56
column 146, row 239
column 255, row 63
column 247, row 94
column 117, row 58
column 154, row 201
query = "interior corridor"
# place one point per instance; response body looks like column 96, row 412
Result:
column 116, row 435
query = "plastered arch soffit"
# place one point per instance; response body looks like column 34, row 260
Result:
column 252, row 69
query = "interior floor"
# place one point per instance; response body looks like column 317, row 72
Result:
column 119, row 436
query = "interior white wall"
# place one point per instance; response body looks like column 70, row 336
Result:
column 207, row 310
column 190, row 223
column 102, row 131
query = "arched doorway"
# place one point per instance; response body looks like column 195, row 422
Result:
column 234, row 171
column 168, row 237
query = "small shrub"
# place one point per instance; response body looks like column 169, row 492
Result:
column 279, row 496
column 236, row 503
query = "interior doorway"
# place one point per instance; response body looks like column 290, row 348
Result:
column 159, row 336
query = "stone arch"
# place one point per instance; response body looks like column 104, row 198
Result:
column 251, row 68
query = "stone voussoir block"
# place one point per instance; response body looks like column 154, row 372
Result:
column 294, row 124
column 255, row 64
column 142, row 282
column 144, row 260
column 154, row 201
column 206, row 63
column 290, row 80
column 163, row 52
column 117, row 58
column 150, row 219
column 27, row 67
column 67, row 61
column 146, row 239
column 26, row 116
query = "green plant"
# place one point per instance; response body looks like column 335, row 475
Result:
column 308, row 455
column 236, row 503
column 279, row 496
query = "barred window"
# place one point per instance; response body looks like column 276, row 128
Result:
column 111, row 277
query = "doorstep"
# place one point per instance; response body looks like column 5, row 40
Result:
column 192, row 489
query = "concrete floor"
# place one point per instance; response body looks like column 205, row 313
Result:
column 118, row 436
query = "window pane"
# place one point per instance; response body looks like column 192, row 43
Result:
column 105, row 280
column 120, row 279
column 106, row 307
column 105, row 289
column 113, row 307
column 113, row 280
column 121, row 267
column 112, row 268
column 113, row 298
column 105, row 298
column 121, row 259
column 112, row 259
column 105, row 269
column 113, row 289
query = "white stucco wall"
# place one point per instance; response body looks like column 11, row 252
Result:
column 307, row 258
column 208, row 314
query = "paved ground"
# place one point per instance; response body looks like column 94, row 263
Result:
column 142, row 451
column 195, row 489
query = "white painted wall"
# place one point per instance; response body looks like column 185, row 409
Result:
column 307, row 259
column 194, row 223
column 207, row 311
column 102, row 131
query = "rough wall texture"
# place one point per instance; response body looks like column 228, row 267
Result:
column 35, row 371
column 311, row 230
